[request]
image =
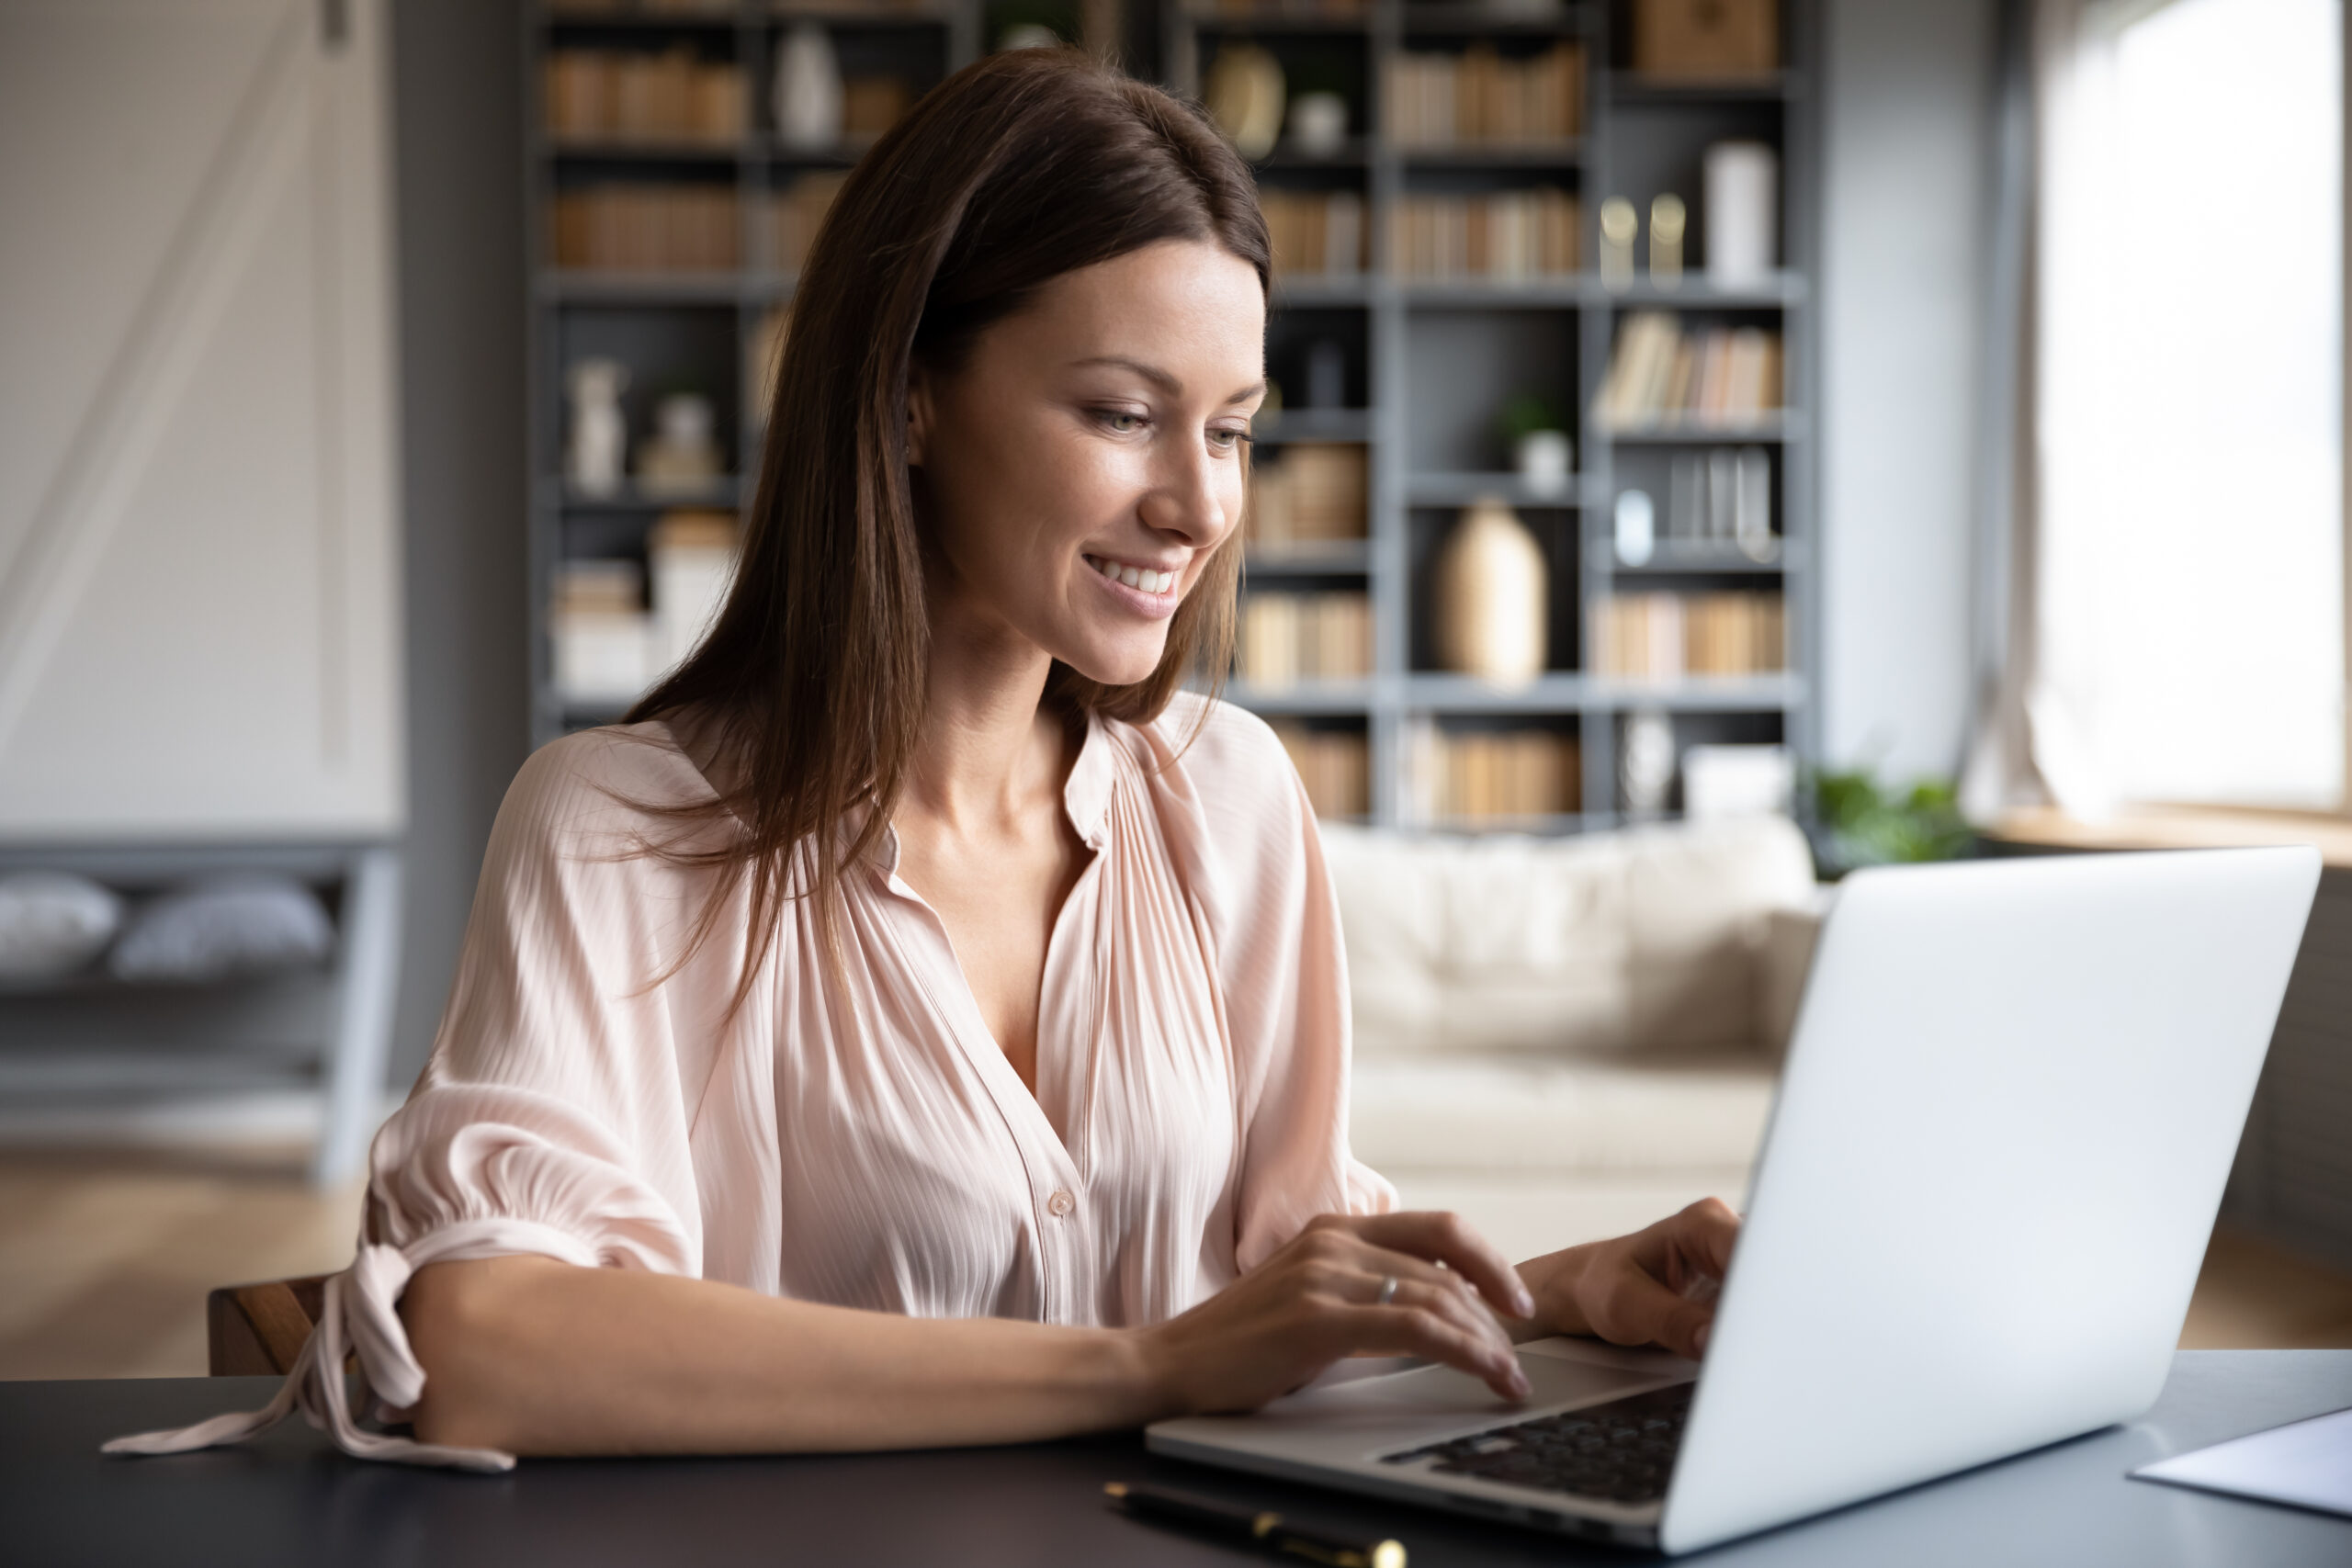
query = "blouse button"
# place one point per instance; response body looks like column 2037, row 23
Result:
column 1060, row 1204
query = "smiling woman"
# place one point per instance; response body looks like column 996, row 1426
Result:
column 921, row 1022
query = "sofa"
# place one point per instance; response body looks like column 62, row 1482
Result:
column 1564, row 1039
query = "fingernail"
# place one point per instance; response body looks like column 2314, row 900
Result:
column 1699, row 1339
column 1523, row 1303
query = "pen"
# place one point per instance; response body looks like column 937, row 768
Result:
column 1256, row 1525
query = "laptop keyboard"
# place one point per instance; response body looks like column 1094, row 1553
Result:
column 1622, row 1451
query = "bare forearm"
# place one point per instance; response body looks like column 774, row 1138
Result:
column 537, row 1357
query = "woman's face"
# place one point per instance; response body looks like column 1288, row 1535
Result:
column 1078, row 470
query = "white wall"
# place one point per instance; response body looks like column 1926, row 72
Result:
column 1906, row 184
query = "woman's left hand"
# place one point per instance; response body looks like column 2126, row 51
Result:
column 1654, row 1287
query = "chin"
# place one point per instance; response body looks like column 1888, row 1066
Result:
column 1116, row 667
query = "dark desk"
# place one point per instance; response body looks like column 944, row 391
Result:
column 290, row 1499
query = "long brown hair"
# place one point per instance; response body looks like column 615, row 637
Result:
column 1019, row 168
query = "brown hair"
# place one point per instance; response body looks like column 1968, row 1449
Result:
column 1019, row 168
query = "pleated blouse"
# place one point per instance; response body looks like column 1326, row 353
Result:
column 853, row 1134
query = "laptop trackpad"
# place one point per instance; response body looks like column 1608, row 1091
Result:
column 1561, row 1373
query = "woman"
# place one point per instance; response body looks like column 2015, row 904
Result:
column 921, row 1022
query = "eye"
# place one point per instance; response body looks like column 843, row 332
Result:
column 1120, row 420
column 1229, row 440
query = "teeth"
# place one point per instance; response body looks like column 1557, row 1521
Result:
column 1143, row 579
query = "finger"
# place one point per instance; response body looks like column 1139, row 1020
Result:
column 1450, row 1296
column 1704, row 1235
column 1634, row 1309
column 1448, row 1239
column 1415, row 1331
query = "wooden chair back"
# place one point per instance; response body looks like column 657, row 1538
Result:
column 258, row 1330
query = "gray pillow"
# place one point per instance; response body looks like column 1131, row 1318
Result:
column 53, row 923
column 223, row 926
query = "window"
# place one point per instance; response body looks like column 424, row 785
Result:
column 2189, row 425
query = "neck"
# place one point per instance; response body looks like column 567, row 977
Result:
column 988, row 747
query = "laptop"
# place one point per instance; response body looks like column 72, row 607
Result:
column 2012, row 1097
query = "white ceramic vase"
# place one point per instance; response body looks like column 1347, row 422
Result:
column 1491, row 592
column 807, row 90
column 1645, row 763
column 599, row 445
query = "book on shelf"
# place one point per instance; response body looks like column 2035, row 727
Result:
column 1722, row 496
column 1278, row 10
column 564, row 9
column 1312, row 492
column 1288, row 638
column 798, row 210
column 1334, row 764
column 1666, row 636
column 610, row 644
column 648, row 228
column 602, row 635
column 1660, row 374
column 1490, row 775
column 1513, row 234
column 872, row 105
column 666, row 98
column 1482, row 98
column 1316, row 233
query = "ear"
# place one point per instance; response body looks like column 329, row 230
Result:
column 919, row 413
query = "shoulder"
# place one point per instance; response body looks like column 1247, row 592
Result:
column 1232, row 757
column 1232, row 801
column 599, row 789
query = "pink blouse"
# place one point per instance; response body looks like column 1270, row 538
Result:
column 853, row 1134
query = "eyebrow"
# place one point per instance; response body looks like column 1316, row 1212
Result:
column 1163, row 380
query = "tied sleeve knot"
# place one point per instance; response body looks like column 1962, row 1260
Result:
column 377, row 1276
column 363, row 1298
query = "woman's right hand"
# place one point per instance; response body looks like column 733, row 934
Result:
column 1318, row 1300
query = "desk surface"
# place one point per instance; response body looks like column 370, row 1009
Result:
column 289, row 1498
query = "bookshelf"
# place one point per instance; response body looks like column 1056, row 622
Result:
column 645, row 101
column 1441, row 353
column 1408, row 369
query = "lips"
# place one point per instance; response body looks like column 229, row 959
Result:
column 1142, row 578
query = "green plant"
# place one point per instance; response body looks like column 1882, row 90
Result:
column 1864, row 823
column 1530, row 412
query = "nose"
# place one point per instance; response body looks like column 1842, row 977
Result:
column 1187, row 496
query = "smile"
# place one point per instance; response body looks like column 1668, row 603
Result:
column 1143, row 579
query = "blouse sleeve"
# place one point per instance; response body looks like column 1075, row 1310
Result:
column 1284, row 976
column 551, row 1118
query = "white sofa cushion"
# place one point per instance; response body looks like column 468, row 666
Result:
column 1661, row 1111
column 1644, row 940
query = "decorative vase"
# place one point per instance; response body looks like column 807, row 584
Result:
column 1742, row 181
column 1491, row 593
column 807, row 90
column 1318, row 124
column 1545, row 457
column 1244, row 96
column 1645, row 763
column 599, row 445
column 681, row 457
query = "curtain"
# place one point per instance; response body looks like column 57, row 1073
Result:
column 2160, row 543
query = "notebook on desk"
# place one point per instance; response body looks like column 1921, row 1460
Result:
column 2305, row 1464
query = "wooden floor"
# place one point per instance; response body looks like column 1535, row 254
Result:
column 105, row 1261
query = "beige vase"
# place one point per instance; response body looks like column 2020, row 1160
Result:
column 1491, row 592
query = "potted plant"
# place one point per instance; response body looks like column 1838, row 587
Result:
column 1859, row 822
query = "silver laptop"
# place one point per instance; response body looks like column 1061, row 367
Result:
column 2010, row 1105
